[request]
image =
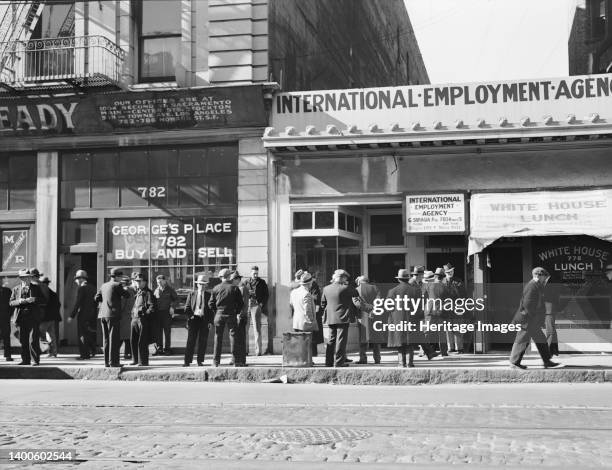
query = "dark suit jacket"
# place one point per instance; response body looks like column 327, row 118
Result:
column 531, row 307
column 226, row 299
column 52, row 309
column 5, row 308
column 337, row 303
column 27, row 311
column 85, row 306
column 191, row 304
column 109, row 297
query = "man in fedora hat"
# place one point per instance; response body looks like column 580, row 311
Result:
column 166, row 298
column 368, row 292
column 50, row 315
column 242, row 322
column 303, row 308
column 530, row 315
column 340, row 303
column 226, row 303
column 456, row 290
column 142, row 313
column 108, row 297
column 416, row 276
column 5, row 320
column 199, row 320
column 85, row 311
column 26, row 299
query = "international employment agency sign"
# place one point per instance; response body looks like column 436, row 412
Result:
column 435, row 213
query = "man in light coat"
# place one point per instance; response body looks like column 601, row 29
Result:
column 303, row 308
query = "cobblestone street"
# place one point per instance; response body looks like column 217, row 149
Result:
column 194, row 425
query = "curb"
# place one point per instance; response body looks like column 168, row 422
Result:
column 365, row 376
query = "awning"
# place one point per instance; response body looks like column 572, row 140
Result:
column 539, row 213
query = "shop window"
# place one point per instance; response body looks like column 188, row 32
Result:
column 76, row 166
column 192, row 162
column 193, row 193
column 22, row 195
column 341, row 221
column 75, row 232
column 353, row 224
column 133, row 164
column 3, row 196
column 163, row 163
column 132, row 193
column 75, row 194
column 324, row 220
column 104, row 194
column 386, row 230
column 445, row 241
column 104, row 166
column 302, row 220
column 222, row 161
column 223, row 190
column 160, row 39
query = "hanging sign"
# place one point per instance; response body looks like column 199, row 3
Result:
column 435, row 213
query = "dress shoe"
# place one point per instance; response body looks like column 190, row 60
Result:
column 133, row 363
column 81, row 358
column 432, row 355
column 51, row 355
column 444, row 354
column 8, row 359
column 517, row 366
column 168, row 352
column 23, row 363
column 216, row 364
column 342, row 365
column 34, row 364
column 159, row 352
column 107, row 365
column 361, row 362
column 551, row 365
column 231, row 362
column 346, row 359
column 452, row 350
column 186, row 365
column 200, row 364
column 410, row 364
column 115, row 365
column 460, row 351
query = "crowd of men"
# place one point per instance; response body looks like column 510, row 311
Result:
column 131, row 314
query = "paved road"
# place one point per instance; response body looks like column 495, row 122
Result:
column 208, row 425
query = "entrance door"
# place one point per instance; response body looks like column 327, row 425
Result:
column 504, row 289
column 382, row 269
column 72, row 263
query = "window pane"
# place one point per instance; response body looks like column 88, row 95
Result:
column 75, row 194
column 223, row 160
column 75, row 166
column 104, row 166
column 159, row 57
column 3, row 196
column 76, row 231
column 324, row 220
column 193, row 193
column 386, row 230
column 163, row 163
column 22, row 195
column 341, row 221
column 128, row 242
column 104, row 194
column 172, row 242
column 223, row 190
column 133, row 164
column 131, row 194
column 22, row 168
column 216, row 241
column 161, row 17
column 193, row 162
column 302, row 220
column 4, row 175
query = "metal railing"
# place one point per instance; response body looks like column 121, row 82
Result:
column 82, row 60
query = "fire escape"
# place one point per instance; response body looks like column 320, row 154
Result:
column 53, row 63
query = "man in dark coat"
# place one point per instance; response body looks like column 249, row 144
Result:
column 165, row 300
column 340, row 304
column 85, row 309
column 109, row 297
column 226, row 302
column 242, row 321
column 26, row 299
column 142, row 312
column 51, row 315
column 456, row 290
column 5, row 321
column 199, row 319
column 436, row 292
column 258, row 299
column 530, row 316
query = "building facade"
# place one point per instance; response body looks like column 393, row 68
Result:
column 131, row 131
column 495, row 178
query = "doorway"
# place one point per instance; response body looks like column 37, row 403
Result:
column 72, row 263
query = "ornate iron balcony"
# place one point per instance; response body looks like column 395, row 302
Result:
column 81, row 61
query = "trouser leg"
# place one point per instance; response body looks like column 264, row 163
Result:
column 135, row 334
column 376, row 352
column 24, row 339
column 521, row 341
column 143, row 342
column 330, row 347
column 192, row 334
column 341, row 341
column 234, row 350
column 540, row 341
column 551, row 334
column 6, row 338
column 255, row 313
column 401, row 355
column 202, row 340
column 84, row 350
column 104, row 322
column 219, row 328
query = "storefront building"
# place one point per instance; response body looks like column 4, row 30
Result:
column 149, row 181
column 495, row 178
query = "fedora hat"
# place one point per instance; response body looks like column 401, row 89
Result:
column 418, row 269
column 137, row 276
column 362, row 278
column 24, row 273
column 403, row 274
column 45, row 280
column 235, row 275
column 35, row 272
column 116, row 272
column 80, row 274
column 428, row 276
column 449, row 268
column 440, row 272
column 305, row 278
column 341, row 272
column 298, row 273
column 202, row 279
column 224, row 273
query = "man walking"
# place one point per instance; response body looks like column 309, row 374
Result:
column 368, row 292
column 339, row 302
column 258, row 298
column 26, row 299
column 85, row 311
column 142, row 312
column 5, row 321
column 50, row 315
column 530, row 316
column 109, row 297
column 226, row 303
column 199, row 319
column 165, row 298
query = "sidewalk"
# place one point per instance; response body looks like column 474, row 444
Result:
column 465, row 368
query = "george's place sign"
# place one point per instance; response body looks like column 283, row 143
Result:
column 140, row 111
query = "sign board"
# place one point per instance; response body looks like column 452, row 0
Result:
column 14, row 249
column 401, row 107
column 527, row 214
column 435, row 213
column 133, row 111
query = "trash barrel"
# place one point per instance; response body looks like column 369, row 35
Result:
column 297, row 349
